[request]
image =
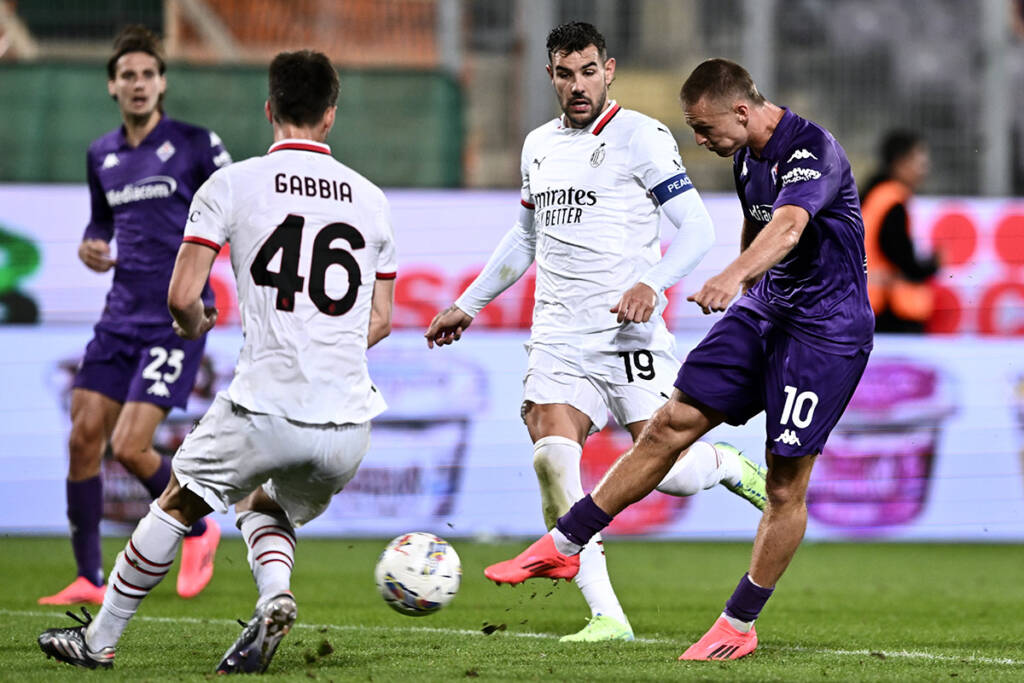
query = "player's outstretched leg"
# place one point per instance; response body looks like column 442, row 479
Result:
column 722, row 642
column 197, row 555
column 542, row 560
column 255, row 647
column 705, row 466
column 68, row 645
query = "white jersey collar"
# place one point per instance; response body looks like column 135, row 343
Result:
column 300, row 144
column 598, row 124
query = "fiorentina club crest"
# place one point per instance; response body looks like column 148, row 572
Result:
column 165, row 151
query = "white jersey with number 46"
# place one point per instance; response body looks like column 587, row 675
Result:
column 309, row 237
column 596, row 220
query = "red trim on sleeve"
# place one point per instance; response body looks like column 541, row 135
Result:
column 387, row 276
column 527, row 204
column 605, row 119
column 200, row 240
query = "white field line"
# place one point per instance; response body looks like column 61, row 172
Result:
column 904, row 654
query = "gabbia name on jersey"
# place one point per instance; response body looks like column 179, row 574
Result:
column 305, row 263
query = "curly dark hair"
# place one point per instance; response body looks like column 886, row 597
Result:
column 303, row 85
column 136, row 38
column 574, row 36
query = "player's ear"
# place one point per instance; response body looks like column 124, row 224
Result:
column 110, row 90
column 551, row 74
column 329, row 117
column 266, row 112
column 609, row 70
column 742, row 111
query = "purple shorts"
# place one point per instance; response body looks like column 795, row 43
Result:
column 146, row 364
column 747, row 364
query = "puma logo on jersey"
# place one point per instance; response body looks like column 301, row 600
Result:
column 537, row 162
column 789, row 438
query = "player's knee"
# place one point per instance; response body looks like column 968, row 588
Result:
column 785, row 494
column 128, row 452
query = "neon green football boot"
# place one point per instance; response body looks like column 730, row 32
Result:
column 599, row 629
column 751, row 484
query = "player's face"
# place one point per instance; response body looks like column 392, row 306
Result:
column 137, row 85
column 717, row 125
column 581, row 81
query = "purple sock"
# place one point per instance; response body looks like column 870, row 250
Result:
column 157, row 482
column 747, row 600
column 583, row 520
column 85, row 509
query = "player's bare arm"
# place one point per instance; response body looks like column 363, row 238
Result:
column 447, row 326
column 380, row 311
column 770, row 246
column 636, row 305
column 95, row 254
column 184, row 296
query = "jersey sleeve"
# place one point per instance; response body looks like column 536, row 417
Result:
column 655, row 162
column 525, row 195
column 210, row 155
column 809, row 175
column 209, row 215
column 101, row 219
column 387, row 262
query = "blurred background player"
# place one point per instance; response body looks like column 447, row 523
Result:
column 142, row 177
column 794, row 345
column 898, row 279
column 595, row 182
column 292, row 428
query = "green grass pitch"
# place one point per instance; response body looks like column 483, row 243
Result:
column 843, row 612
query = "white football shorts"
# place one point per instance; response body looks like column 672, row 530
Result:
column 232, row 451
column 629, row 384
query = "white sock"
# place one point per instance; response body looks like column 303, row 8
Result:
column 700, row 468
column 741, row 626
column 731, row 469
column 138, row 569
column 595, row 584
column 563, row 544
column 556, row 460
column 271, row 542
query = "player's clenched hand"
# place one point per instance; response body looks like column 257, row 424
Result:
column 716, row 293
column 95, row 254
column 447, row 326
column 206, row 324
column 637, row 304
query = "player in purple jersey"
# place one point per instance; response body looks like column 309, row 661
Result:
column 141, row 179
column 794, row 345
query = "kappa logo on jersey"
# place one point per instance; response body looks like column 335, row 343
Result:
column 799, row 175
column 165, row 151
column 160, row 389
column 789, row 438
column 598, row 156
column 743, row 171
column 215, row 140
column 110, row 161
column 761, row 212
column 801, row 154
column 154, row 187
column 222, row 159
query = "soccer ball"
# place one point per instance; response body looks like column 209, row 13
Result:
column 418, row 573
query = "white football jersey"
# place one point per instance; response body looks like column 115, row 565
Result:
column 597, row 225
column 309, row 237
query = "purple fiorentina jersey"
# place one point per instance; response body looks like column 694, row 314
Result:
column 818, row 292
column 141, row 197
